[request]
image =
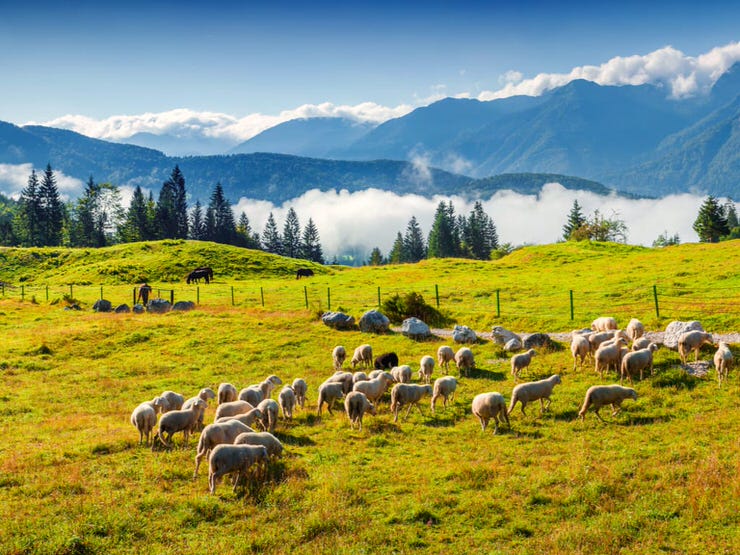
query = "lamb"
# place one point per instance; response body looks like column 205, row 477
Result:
column 609, row 355
column 693, row 341
column 599, row 396
column 328, row 393
column 226, row 393
column 386, row 361
column 356, row 404
column 363, row 355
column 269, row 409
column 723, row 361
column 204, row 394
column 216, row 434
column 407, row 394
column 490, row 405
column 520, row 362
column 374, row 389
column 344, row 378
column 579, row 348
column 183, row 421
column 233, row 408
column 266, row 439
column 359, row 377
column 464, row 361
column 338, row 356
column 638, row 360
column 401, row 374
column 254, row 416
column 233, row 458
column 299, row 388
column 635, row 329
column 174, row 401
column 444, row 387
column 445, row 355
column 144, row 418
column 641, row 343
column 605, row 323
column 287, row 401
column 426, row 367
column 532, row 391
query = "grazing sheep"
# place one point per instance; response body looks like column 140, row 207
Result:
column 328, row 393
column 338, row 356
column 359, row 377
column 266, row 439
column 386, row 361
column 254, row 416
column 693, row 341
column 374, row 389
column 401, row 374
column 216, row 434
column 444, row 387
column 363, row 355
column 490, row 405
column 599, row 396
column 254, row 394
column 532, row 391
column 204, row 394
column 226, row 393
column 445, row 355
column 356, row 404
column 723, row 361
column 605, row 323
column 174, row 401
column 597, row 338
column 344, row 378
column 270, row 409
column 226, row 459
column 638, row 360
column 609, row 355
column 183, row 421
column 635, row 329
column 579, row 348
column 407, row 394
column 233, row 408
column 287, row 401
column 464, row 361
column 426, row 367
column 144, row 418
column 641, row 343
column 520, row 362
column 374, row 374
column 300, row 388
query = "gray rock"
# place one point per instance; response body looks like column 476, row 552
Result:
column 538, row 341
column 338, row 320
column 675, row 329
column 415, row 328
column 374, row 322
column 183, row 306
column 513, row 345
column 463, row 334
column 139, row 309
column 122, row 309
column 501, row 336
column 101, row 305
column 158, row 306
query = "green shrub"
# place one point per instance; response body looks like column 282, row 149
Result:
column 412, row 304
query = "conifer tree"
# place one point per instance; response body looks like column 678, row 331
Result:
column 442, row 237
column 311, row 244
column 197, row 223
column 376, row 258
column 575, row 220
column 479, row 233
column 52, row 209
column 730, row 214
column 28, row 220
column 413, row 242
column 220, row 226
column 398, row 252
column 710, row 225
column 271, row 240
column 138, row 222
column 247, row 237
column 292, row 235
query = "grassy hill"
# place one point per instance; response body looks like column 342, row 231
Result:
column 659, row 477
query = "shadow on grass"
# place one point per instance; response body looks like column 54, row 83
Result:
column 298, row 441
column 486, row 375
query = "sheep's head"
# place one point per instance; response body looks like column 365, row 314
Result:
column 633, row 394
column 556, row 379
column 371, row 409
column 206, row 393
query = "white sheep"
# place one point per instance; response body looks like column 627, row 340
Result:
column 233, row 408
column 266, row 439
column 374, row 389
column 605, row 323
column 250, row 418
column 426, row 367
column 445, row 355
column 444, row 387
column 338, row 356
column 693, row 341
column 401, row 374
column 464, row 361
column 226, row 459
column 174, row 401
column 144, row 418
column 638, row 360
column 255, row 393
column 609, row 354
column 635, row 329
column 375, row 373
column 528, row 392
column 520, row 362
column 270, row 410
column 344, row 378
column 408, row 394
column 287, row 401
column 300, row 387
column 356, row 404
column 205, row 395
column 597, row 338
column 328, row 393
column 226, row 393
column 599, row 396
column 579, row 348
column 723, row 361
column 184, row 421
column 359, row 377
column 641, row 343
column 490, row 405
column 216, row 434
column 363, row 355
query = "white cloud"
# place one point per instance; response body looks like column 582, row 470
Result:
column 14, row 178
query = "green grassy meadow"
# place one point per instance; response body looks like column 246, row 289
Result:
column 661, row 477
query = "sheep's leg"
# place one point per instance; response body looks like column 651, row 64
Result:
column 596, row 411
column 483, row 423
column 524, row 404
column 495, row 428
column 408, row 411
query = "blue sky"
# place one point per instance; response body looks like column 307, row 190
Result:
column 242, row 58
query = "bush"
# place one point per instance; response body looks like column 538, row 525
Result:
column 412, row 304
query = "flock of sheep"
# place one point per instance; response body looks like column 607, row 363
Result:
column 231, row 444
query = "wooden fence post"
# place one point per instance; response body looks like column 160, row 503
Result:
column 378, row 296
column 305, row 295
column 197, row 294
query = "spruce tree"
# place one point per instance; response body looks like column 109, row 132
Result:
column 197, row 224
column 442, row 237
column 398, row 251
column 311, row 244
column 166, row 216
column 479, row 233
column 137, row 224
column 52, row 209
column 247, row 237
column 292, row 235
column 220, row 218
column 271, row 240
column 413, row 242
column 730, row 214
column 181, row 203
column 376, row 258
column 710, row 225
column 28, row 220
column 575, row 220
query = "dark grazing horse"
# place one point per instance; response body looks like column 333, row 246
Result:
column 304, row 272
column 204, row 272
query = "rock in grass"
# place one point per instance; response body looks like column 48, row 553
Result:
column 101, row 305
column 675, row 329
column 158, row 306
column 184, row 306
column 374, row 322
column 415, row 328
column 122, row 309
column 338, row 320
column 463, row 334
